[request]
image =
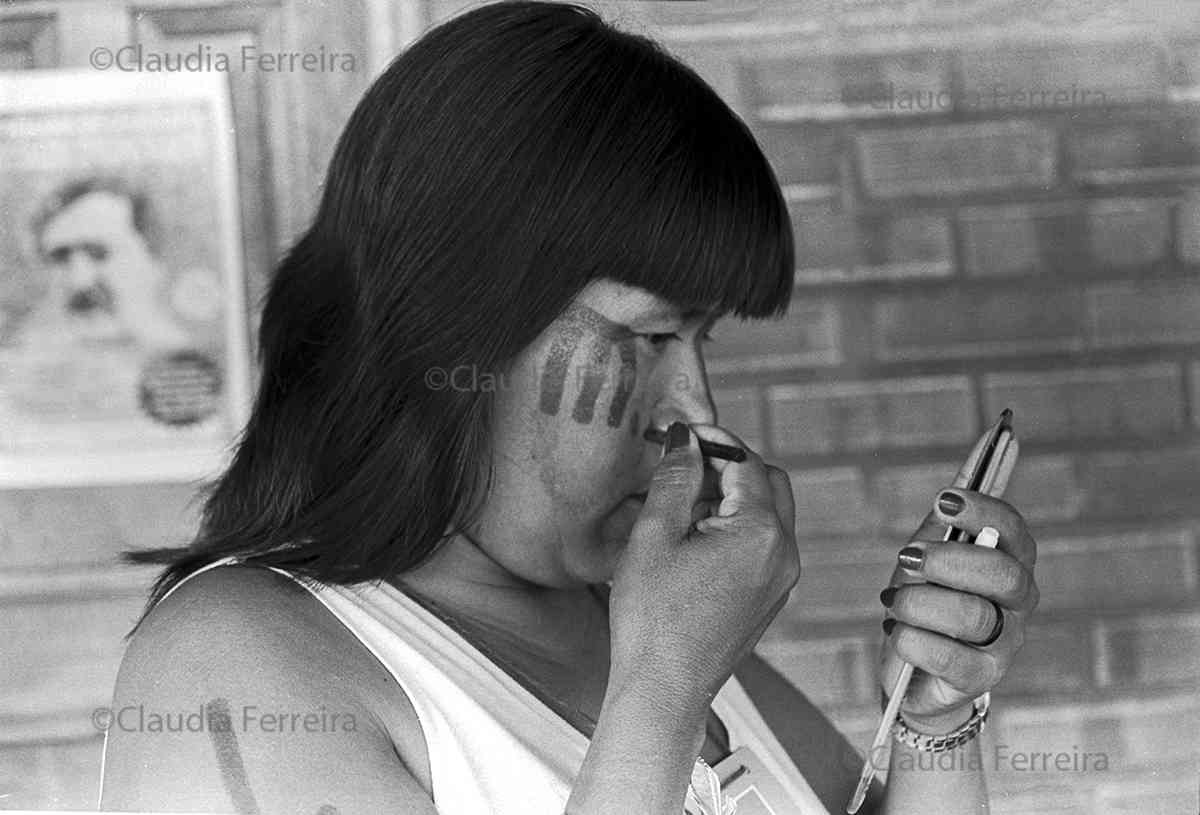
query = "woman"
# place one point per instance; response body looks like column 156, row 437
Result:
column 529, row 225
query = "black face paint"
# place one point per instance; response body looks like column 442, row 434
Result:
column 626, row 378
column 229, row 758
column 554, row 375
column 593, row 379
column 606, row 334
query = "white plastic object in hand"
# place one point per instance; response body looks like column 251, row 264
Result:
column 988, row 536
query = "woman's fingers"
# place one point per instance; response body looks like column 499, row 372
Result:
column 968, row 669
column 744, row 485
column 973, row 569
column 934, row 525
column 785, row 501
column 967, row 617
column 972, row 511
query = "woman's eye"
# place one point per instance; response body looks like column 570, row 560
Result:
column 659, row 339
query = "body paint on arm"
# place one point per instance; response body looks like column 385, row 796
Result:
column 229, row 758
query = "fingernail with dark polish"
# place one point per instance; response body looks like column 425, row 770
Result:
column 911, row 558
column 677, row 436
column 950, row 504
column 888, row 625
column 887, row 596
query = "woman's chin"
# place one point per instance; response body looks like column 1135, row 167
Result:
column 617, row 526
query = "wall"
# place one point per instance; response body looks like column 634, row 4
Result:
column 962, row 249
column 952, row 260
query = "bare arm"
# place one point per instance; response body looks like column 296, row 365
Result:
column 219, row 706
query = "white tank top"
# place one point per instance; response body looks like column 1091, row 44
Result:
column 494, row 747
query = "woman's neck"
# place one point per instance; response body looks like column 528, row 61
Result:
column 465, row 581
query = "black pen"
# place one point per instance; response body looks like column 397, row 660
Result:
column 708, row 449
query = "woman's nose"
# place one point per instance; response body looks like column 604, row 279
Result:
column 685, row 397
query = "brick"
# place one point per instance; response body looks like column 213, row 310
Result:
column 1149, row 649
column 839, row 583
column 1132, row 151
column 807, row 336
column 955, row 324
column 1042, row 488
column 800, row 153
column 1056, row 657
column 740, row 410
column 858, row 85
column 1114, row 571
column 1128, row 233
column 1139, row 401
column 837, row 246
column 784, row 88
column 1043, row 799
column 1187, row 226
column 1154, row 484
column 1045, row 488
column 1025, row 239
column 827, row 670
column 905, row 494
column 867, row 415
column 858, row 725
column 69, row 651
column 957, row 158
column 699, row 14
column 60, row 776
column 1018, row 80
column 1195, row 378
column 831, row 501
column 827, row 239
column 1144, row 312
column 1157, row 794
column 871, row 14
column 1145, row 722
column 902, row 246
column 1020, row 732
column 1184, row 59
column 53, row 528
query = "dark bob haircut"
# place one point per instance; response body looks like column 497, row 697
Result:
column 507, row 158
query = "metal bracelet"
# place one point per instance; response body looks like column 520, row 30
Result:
column 957, row 737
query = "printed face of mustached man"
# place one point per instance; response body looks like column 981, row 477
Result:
column 105, row 284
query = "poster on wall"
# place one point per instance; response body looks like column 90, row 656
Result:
column 123, row 330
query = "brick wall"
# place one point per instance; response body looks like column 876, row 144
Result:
column 962, row 249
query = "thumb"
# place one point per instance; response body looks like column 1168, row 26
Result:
column 675, row 486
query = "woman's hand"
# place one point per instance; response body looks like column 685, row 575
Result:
column 690, row 597
column 947, row 601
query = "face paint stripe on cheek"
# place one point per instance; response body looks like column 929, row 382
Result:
column 594, row 377
column 554, row 375
column 625, row 381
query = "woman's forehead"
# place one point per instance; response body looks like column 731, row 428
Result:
column 626, row 304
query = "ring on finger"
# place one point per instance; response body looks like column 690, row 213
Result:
column 997, row 628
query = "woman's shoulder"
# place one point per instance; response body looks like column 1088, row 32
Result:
column 262, row 641
column 235, row 615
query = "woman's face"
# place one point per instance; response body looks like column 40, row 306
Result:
column 571, row 465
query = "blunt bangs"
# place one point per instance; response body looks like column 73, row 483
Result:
column 695, row 214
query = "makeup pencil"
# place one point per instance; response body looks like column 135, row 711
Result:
column 709, row 449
